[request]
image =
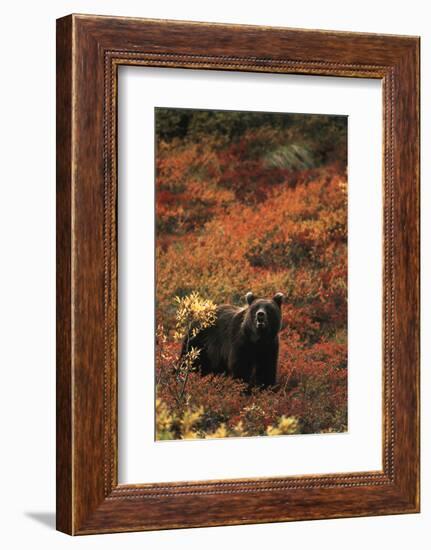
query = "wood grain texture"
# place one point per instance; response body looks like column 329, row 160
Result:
column 64, row 496
column 90, row 49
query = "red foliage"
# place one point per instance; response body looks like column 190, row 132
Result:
column 227, row 223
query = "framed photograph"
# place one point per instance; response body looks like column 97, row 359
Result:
column 237, row 274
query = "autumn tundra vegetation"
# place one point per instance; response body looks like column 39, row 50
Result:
column 251, row 202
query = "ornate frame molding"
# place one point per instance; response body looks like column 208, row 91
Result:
column 90, row 49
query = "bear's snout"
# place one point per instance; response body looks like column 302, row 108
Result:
column 261, row 318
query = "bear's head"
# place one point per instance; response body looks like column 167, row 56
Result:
column 263, row 317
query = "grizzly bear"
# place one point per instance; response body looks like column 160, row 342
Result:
column 242, row 343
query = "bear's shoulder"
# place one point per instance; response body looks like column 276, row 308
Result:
column 229, row 309
column 231, row 315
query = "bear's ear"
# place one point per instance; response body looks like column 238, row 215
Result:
column 278, row 298
column 250, row 298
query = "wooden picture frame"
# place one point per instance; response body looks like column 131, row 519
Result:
column 89, row 51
